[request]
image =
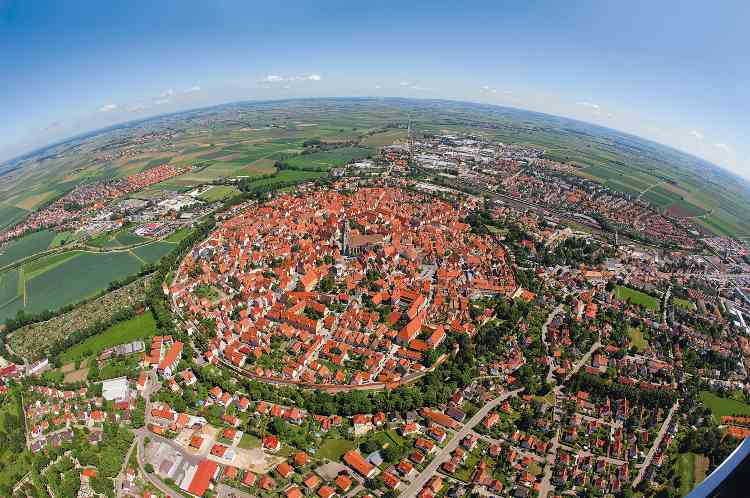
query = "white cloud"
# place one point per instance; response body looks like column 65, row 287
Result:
column 137, row 107
column 723, row 147
column 275, row 78
column 404, row 83
column 161, row 101
column 108, row 107
column 378, row 87
column 488, row 89
column 167, row 93
column 420, row 88
column 696, row 134
column 591, row 105
column 192, row 89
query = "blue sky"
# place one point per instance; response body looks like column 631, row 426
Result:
column 672, row 71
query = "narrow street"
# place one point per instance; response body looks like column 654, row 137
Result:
column 442, row 455
column 655, row 446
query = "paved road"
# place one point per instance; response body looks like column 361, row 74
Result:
column 151, row 477
column 583, row 361
column 655, row 446
column 442, row 455
column 550, row 377
column 546, row 485
column 506, row 442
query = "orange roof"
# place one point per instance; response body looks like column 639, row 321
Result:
column 202, row 478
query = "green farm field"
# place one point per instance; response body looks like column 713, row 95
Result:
column 325, row 160
column 230, row 140
column 138, row 327
column 27, row 245
column 64, row 278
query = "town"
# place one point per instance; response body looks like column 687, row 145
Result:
column 451, row 317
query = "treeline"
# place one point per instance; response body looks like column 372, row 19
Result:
column 657, row 398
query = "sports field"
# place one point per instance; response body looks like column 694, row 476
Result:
column 218, row 193
column 721, row 407
column 138, row 327
column 637, row 297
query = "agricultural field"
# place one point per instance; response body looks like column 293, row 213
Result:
column 10, row 215
column 138, row 327
column 637, row 297
column 117, row 238
column 81, row 277
column 325, row 160
column 244, row 139
column 31, row 341
column 721, row 407
column 288, row 176
column 27, row 245
column 153, row 252
column 692, row 469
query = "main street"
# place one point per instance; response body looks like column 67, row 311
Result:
column 442, row 455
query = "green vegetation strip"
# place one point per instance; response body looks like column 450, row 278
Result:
column 139, row 327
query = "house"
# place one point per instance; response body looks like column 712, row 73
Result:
column 343, row 483
column 354, row 460
column 391, row 481
column 271, row 443
column 284, row 470
column 170, row 360
column 326, row 492
column 206, row 472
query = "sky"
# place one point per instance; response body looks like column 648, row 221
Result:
column 676, row 72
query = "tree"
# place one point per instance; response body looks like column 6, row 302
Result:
column 149, row 468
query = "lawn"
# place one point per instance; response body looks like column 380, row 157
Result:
column 692, row 470
column 218, row 193
column 25, row 246
column 721, row 407
column 636, row 338
column 334, row 449
column 248, row 441
column 637, row 297
column 683, row 303
column 138, row 327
